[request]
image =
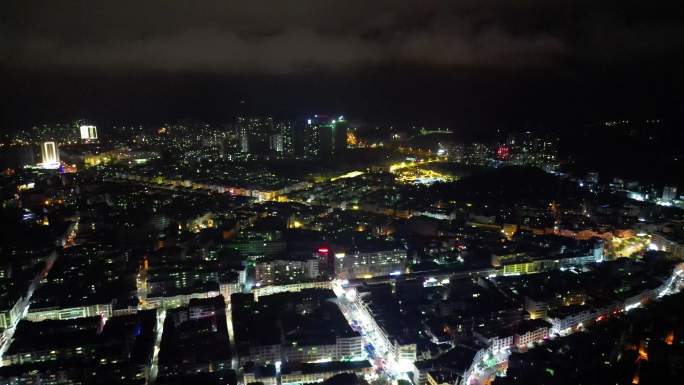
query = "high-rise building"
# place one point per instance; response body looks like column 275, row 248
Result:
column 325, row 137
column 275, row 143
column 49, row 154
column 311, row 139
column 254, row 134
column 280, row 271
column 370, row 263
column 285, row 129
column 244, row 142
column 530, row 150
column 88, row 132
column 477, row 154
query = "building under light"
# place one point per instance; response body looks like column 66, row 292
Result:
column 324, row 136
column 254, row 134
column 369, row 264
column 49, row 155
column 279, row 271
column 88, row 132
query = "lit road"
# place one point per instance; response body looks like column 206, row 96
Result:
column 492, row 364
column 25, row 303
column 383, row 360
column 674, row 284
column 154, row 368
column 8, row 333
column 231, row 335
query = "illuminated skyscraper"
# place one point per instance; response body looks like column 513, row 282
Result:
column 478, row 153
column 49, row 154
column 88, row 133
column 254, row 134
column 285, row 130
column 528, row 149
column 312, row 139
column 325, row 137
column 275, row 143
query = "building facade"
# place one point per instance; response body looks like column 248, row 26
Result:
column 370, row 264
column 281, row 271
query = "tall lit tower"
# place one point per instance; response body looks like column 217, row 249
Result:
column 286, row 130
column 49, row 155
column 325, row 137
column 254, row 134
column 88, row 133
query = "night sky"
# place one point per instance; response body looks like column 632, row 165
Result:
column 471, row 65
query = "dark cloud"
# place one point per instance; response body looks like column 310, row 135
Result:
column 284, row 37
column 466, row 63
